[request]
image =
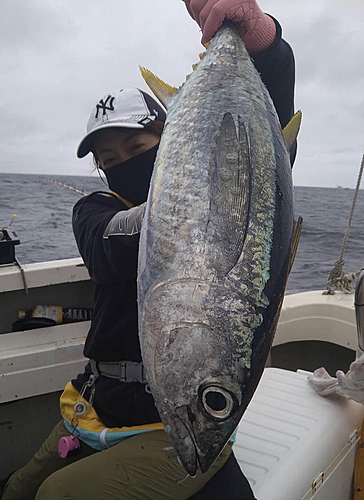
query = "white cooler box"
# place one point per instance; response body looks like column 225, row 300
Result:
column 293, row 444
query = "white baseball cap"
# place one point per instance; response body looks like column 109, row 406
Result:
column 127, row 108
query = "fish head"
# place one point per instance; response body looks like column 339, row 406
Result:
column 198, row 396
column 200, row 429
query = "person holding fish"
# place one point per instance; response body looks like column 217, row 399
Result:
column 111, row 443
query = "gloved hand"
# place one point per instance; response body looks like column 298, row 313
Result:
column 256, row 29
column 322, row 382
column 352, row 383
column 126, row 223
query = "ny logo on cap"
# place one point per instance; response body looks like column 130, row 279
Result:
column 107, row 105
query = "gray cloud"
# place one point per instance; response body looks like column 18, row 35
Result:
column 59, row 57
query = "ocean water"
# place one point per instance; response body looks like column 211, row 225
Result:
column 44, row 209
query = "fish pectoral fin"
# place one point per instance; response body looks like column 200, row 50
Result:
column 230, row 191
column 296, row 234
column 290, row 131
column 162, row 90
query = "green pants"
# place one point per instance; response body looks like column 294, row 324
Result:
column 143, row 467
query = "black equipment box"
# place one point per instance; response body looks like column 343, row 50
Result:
column 8, row 240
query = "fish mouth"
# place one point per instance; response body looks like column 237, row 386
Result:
column 188, row 451
column 183, row 440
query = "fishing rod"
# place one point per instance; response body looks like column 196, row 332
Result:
column 11, row 221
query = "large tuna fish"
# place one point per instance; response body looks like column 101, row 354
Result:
column 215, row 250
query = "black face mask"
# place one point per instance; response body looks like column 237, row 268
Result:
column 131, row 178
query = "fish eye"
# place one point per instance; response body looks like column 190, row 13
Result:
column 217, row 402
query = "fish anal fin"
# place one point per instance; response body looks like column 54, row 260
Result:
column 290, row 131
column 162, row 90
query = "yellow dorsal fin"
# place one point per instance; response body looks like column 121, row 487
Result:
column 291, row 130
column 160, row 89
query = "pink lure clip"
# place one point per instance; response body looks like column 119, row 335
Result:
column 67, row 445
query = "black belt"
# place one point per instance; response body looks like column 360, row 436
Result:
column 124, row 371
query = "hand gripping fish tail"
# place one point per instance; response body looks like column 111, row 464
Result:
column 215, row 249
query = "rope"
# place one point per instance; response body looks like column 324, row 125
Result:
column 337, row 279
column 71, row 188
column 83, row 193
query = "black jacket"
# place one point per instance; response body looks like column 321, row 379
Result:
column 112, row 265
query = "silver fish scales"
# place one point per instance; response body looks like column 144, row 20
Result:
column 214, row 251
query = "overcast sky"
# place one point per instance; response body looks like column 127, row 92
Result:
column 59, row 57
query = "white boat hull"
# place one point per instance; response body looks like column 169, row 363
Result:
column 288, row 437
